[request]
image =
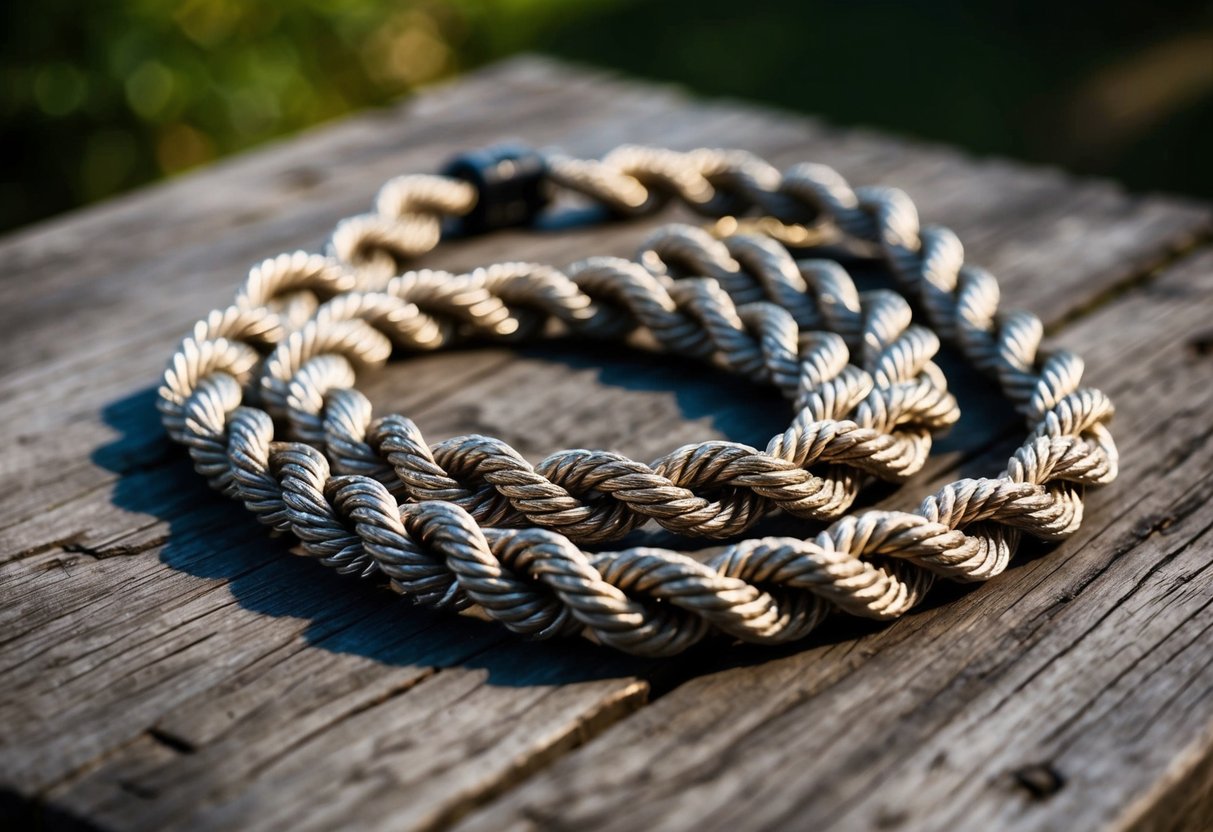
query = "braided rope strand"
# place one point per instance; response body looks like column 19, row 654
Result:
column 469, row 522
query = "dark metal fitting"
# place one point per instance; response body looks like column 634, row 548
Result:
column 511, row 186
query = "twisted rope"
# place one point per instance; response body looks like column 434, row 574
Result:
column 262, row 395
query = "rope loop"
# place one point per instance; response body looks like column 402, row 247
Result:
column 262, row 394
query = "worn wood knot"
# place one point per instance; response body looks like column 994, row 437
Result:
column 1040, row 780
column 1201, row 345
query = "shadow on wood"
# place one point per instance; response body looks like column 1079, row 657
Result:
column 212, row 538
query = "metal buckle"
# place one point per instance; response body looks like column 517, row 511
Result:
column 511, row 186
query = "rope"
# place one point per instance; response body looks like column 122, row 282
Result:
column 262, row 395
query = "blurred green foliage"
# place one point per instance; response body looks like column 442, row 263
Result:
column 100, row 96
column 97, row 97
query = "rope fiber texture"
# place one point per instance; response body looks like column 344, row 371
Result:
column 262, row 395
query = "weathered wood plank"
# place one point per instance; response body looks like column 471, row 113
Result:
column 165, row 665
column 1073, row 692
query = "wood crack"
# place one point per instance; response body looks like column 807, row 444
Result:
column 1179, row 250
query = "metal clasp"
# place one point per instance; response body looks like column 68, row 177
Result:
column 511, row 186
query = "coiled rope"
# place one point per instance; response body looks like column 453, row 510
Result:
column 262, row 394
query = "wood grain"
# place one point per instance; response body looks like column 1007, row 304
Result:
column 165, row 665
column 1073, row 692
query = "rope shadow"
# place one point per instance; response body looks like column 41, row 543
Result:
column 214, row 539
column 211, row 538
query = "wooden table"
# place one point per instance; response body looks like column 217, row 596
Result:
column 166, row 665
